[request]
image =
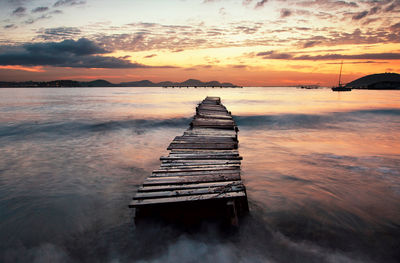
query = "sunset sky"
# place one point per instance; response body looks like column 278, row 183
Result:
column 247, row 42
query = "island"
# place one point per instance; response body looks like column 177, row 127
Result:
column 381, row 81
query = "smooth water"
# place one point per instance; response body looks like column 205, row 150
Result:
column 322, row 172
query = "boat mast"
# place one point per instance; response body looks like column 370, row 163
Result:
column 340, row 74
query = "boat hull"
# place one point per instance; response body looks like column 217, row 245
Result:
column 341, row 89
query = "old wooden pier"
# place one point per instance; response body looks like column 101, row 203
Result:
column 200, row 177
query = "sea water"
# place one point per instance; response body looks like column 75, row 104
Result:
column 321, row 168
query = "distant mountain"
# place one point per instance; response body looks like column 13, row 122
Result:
column 377, row 81
column 141, row 83
column 97, row 83
column 105, row 83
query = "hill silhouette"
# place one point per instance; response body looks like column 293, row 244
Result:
column 377, row 81
column 105, row 83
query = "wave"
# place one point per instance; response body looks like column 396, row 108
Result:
column 82, row 127
column 314, row 121
column 139, row 126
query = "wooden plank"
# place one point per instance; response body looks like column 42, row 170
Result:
column 187, row 186
column 212, row 98
column 212, row 122
column 215, row 146
column 200, row 162
column 189, row 155
column 195, row 173
column 198, row 165
column 211, row 108
column 209, row 102
column 208, row 142
column 206, row 151
column 203, row 169
column 199, row 191
column 202, row 138
column 205, row 164
column 199, row 130
column 202, row 157
column 212, row 125
column 199, row 119
column 191, row 179
column 184, row 168
column 218, row 117
column 136, row 203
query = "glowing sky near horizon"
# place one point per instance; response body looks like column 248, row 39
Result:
column 247, row 42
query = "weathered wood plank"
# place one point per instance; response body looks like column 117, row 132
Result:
column 191, row 179
column 153, row 188
column 202, row 157
column 218, row 117
column 200, row 162
column 189, row 167
column 183, row 152
column 191, row 138
column 195, row 173
column 209, row 190
column 136, row 203
column 204, row 164
column 203, row 169
column 215, row 146
column 200, row 122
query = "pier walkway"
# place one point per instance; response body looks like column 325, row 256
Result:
column 201, row 174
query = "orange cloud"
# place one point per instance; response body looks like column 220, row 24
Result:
column 23, row 68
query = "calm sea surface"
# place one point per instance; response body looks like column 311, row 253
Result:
column 322, row 172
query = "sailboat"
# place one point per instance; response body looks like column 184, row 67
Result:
column 341, row 87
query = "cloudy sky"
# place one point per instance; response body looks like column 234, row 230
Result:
column 247, row 42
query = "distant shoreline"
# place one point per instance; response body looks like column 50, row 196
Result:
column 104, row 83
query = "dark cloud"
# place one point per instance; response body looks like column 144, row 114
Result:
column 310, row 43
column 358, row 62
column 56, row 11
column 10, row 26
column 360, row 15
column 58, row 33
column 247, row 30
column 377, row 56
column 150, row 56
column 261, row 3
column 392, row 7
column 380, row 35
column 33, row 20
column 68, row 3
column 327, row 4
column 40, row 9
column 374, row 10
column 292, row 56
column 285, row 13
column 239, row 66
column 80, row 47
column 68, row 53
column 370, row 20
column 395, row 27
column 19, row 11
column 274, row 55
